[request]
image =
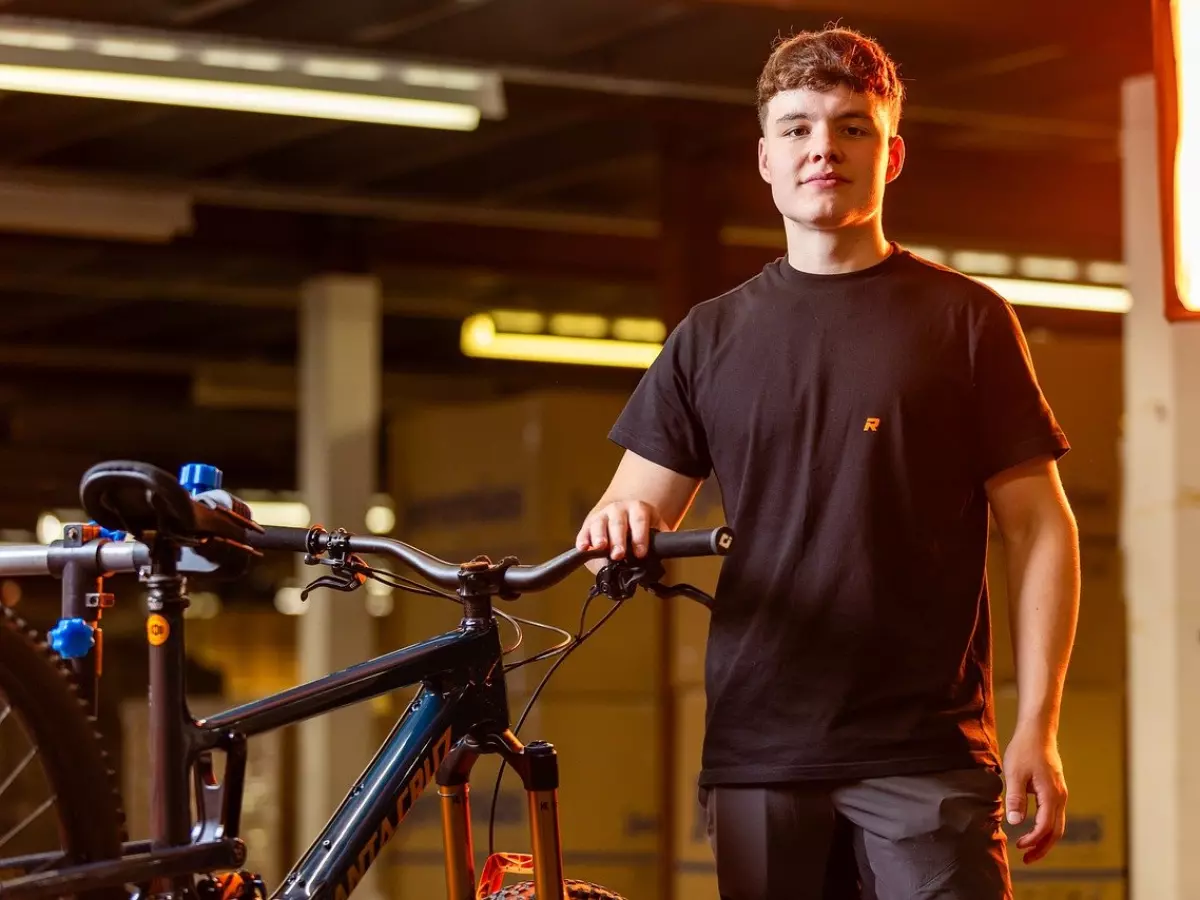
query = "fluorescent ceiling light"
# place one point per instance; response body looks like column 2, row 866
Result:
column 480, row 338
column 142, row 66
column 1187, row 153
column 635, row 343
column 240, row 97
column 1060, row 295
column 1176, row 32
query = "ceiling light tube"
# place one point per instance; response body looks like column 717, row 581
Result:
column 1060, row 295
column 144, row 66
column 483, row 335
column 259, row 98
column 479, row 338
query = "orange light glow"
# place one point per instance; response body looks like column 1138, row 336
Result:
column 1186, row 20
column 1177, row 71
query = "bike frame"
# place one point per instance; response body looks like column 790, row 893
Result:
column 459, row 712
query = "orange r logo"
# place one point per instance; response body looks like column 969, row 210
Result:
column 871, row 425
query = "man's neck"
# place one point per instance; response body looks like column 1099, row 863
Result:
column 835, row 252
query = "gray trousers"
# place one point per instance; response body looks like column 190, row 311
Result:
column 932, row 837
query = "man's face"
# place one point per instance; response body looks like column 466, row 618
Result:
column 827, row 156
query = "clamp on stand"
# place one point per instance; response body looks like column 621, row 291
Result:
column 78, row 631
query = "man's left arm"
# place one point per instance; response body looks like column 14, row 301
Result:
column 1041, row 544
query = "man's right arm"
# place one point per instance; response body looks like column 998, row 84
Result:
column 642, row 495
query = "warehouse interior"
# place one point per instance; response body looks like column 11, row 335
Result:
column 173, row 278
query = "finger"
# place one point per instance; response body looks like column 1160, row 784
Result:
column 1049, row 809
column 583, row 540
column 1046, row 844
column 1043, row 827
column 1038, row 852
column 598, row 532
column 618, row 528
column 639, row 530
column 1016, row 798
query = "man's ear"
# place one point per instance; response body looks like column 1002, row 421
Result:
column 896, row 153
column 764, row 168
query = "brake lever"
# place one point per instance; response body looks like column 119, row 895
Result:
column 346, row 574
column 620, row 578
column 667, row 591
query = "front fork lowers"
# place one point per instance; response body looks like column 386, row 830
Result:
column 537, row 765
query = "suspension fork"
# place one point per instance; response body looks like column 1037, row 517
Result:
column 537, row 765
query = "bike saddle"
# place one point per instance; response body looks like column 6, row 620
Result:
column 137, row 497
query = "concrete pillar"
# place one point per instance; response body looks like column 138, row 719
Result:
column 339, row 376
column 1160, row 535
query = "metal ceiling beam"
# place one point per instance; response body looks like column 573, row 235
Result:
column 651, row 17
column 523, row 189
column 445, row 147
column 1076, row 203
column 205, row 9
column 89, row 122
column 719, row 94
column 879, row 10
column 203, row 157
column 390, row 30
column 1076, row 23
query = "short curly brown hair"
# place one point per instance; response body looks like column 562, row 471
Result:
column 821, row 60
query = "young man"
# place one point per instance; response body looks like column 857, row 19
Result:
column 861, row 409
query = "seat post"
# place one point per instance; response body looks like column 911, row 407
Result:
column 169, row 806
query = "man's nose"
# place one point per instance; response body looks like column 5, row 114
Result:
column 824, row 145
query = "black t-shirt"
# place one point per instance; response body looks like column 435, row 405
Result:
column 851, row 421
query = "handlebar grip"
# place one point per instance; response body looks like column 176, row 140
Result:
column 695, row 542
column 279, row 537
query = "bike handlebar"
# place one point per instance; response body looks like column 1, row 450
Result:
column 663, row 544
column 130, row 556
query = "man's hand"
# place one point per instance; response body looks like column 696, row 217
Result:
column 663, row 498
column 617, row 524
column 1032, row 765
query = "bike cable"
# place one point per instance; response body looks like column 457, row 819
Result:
column 562, row 650
column 576, row 641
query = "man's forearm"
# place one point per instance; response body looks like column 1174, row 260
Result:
column 1043, row 585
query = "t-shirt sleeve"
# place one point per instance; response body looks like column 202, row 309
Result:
column 660, row 422
column 1013, row 420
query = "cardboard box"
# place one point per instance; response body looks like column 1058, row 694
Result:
column 526, row 498
column 1100, row 655
column 696, row 882
column 1082, row 379
column 1068, row 890
column 608, row 783
column 691, row 838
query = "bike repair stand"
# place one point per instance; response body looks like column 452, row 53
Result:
column 78, row 632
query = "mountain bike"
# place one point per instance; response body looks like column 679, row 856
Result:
column 145, row 521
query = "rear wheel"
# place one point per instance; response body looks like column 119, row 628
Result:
column 576, row 890
column 58, row 797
